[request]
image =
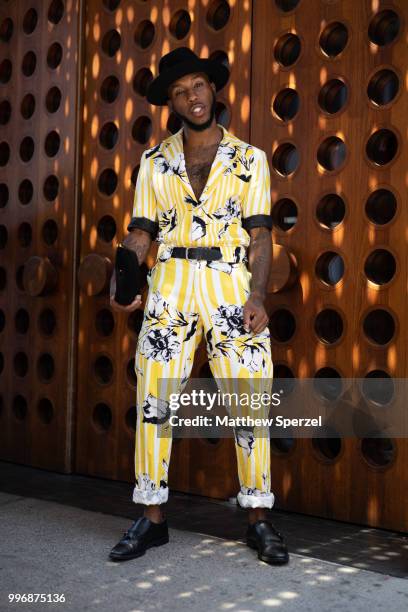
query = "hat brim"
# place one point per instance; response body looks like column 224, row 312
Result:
column 216, row 72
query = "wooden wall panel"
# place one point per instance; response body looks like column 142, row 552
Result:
column 124, row 42
column 39, row 55
column 326, row 77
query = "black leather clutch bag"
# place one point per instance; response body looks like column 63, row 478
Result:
column 130, row 276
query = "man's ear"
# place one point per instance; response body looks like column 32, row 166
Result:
column 170, row 105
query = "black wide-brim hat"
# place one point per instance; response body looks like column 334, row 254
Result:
column 178, row 63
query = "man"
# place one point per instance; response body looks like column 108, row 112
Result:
column 206, row 194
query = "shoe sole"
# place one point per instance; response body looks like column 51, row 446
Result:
column 160, row 542
column 265, row 558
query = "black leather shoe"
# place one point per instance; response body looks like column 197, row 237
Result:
column 143, row 534
column 269, row 543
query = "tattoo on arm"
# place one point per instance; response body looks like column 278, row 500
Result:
column 139, row 241
column 260, row 255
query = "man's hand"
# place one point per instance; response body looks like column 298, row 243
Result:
column 137, row 302
column 255, row 317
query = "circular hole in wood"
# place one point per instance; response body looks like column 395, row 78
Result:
column 285, row 159
column 327, row 383
column 287, row 49
column 142, row 129
column 284, row 214
column 218, row 14
column 144, row 34
column 106, row 228
column 2, row 322
column 52, row 143
column 286, row 5
column 3, row 236
column 131, row 372
column 45, row 367
column 222, row 114
column 103, row 369
column 379, row 326
column 4, row 195
column 5, row 112
column 24, row 234
column 330, row 268
column 110, row 89
column 104, row 322
column 130, row 418
column 380, row 266
column 331, row 153
column 378, row 452
column 49, row 232
column 111, row 5
column 107, row 182
column 19, row 407
column 282, row 446
column 283, row 379
column 30, row 21
column 333, row 39
column 56, row 11
column 286, row 104
column 29, row 63
column 382, row 147
column 174, row 124
column 142, row 80
column 6, row 29
column 22, row 321
column 47, row 322
column 4, row 153
column 282, row 325
column 135, row 172
column 330, row 210
column 109, row 135
column 20, row 363
column 27, row 149
column 135, row 321
column 19, row 278
column 383, row 87
column 328, row 448
column 111, row 42
column 3, row 278
column 51, row 187
column 45, row 410
column 27, row 106
column 378, row 387
column 25, row 191
column 6, row 69
column 180, row 24
column 221, row 57
column 53, row 99
column 381, row 206
column 54, row 55
column 102, row 417
column 328, row 326
column 384, row 27
column 333, row 96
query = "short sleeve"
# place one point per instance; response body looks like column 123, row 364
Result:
column 144, row 214
column 257, row 205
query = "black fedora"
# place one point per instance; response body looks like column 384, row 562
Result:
column 178, row 63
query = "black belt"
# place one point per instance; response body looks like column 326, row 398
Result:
column 207, row 253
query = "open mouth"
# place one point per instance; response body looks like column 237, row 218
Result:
column 197, row 110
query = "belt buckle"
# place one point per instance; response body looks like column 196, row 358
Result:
column 187, row 253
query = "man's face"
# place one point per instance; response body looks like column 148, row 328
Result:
column 192, row 99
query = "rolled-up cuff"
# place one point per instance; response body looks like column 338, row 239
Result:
column 257, row 221
column 260, row 500
column 145, row 224
column 151, row 498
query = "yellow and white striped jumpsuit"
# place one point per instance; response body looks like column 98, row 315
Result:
column 188, row 298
